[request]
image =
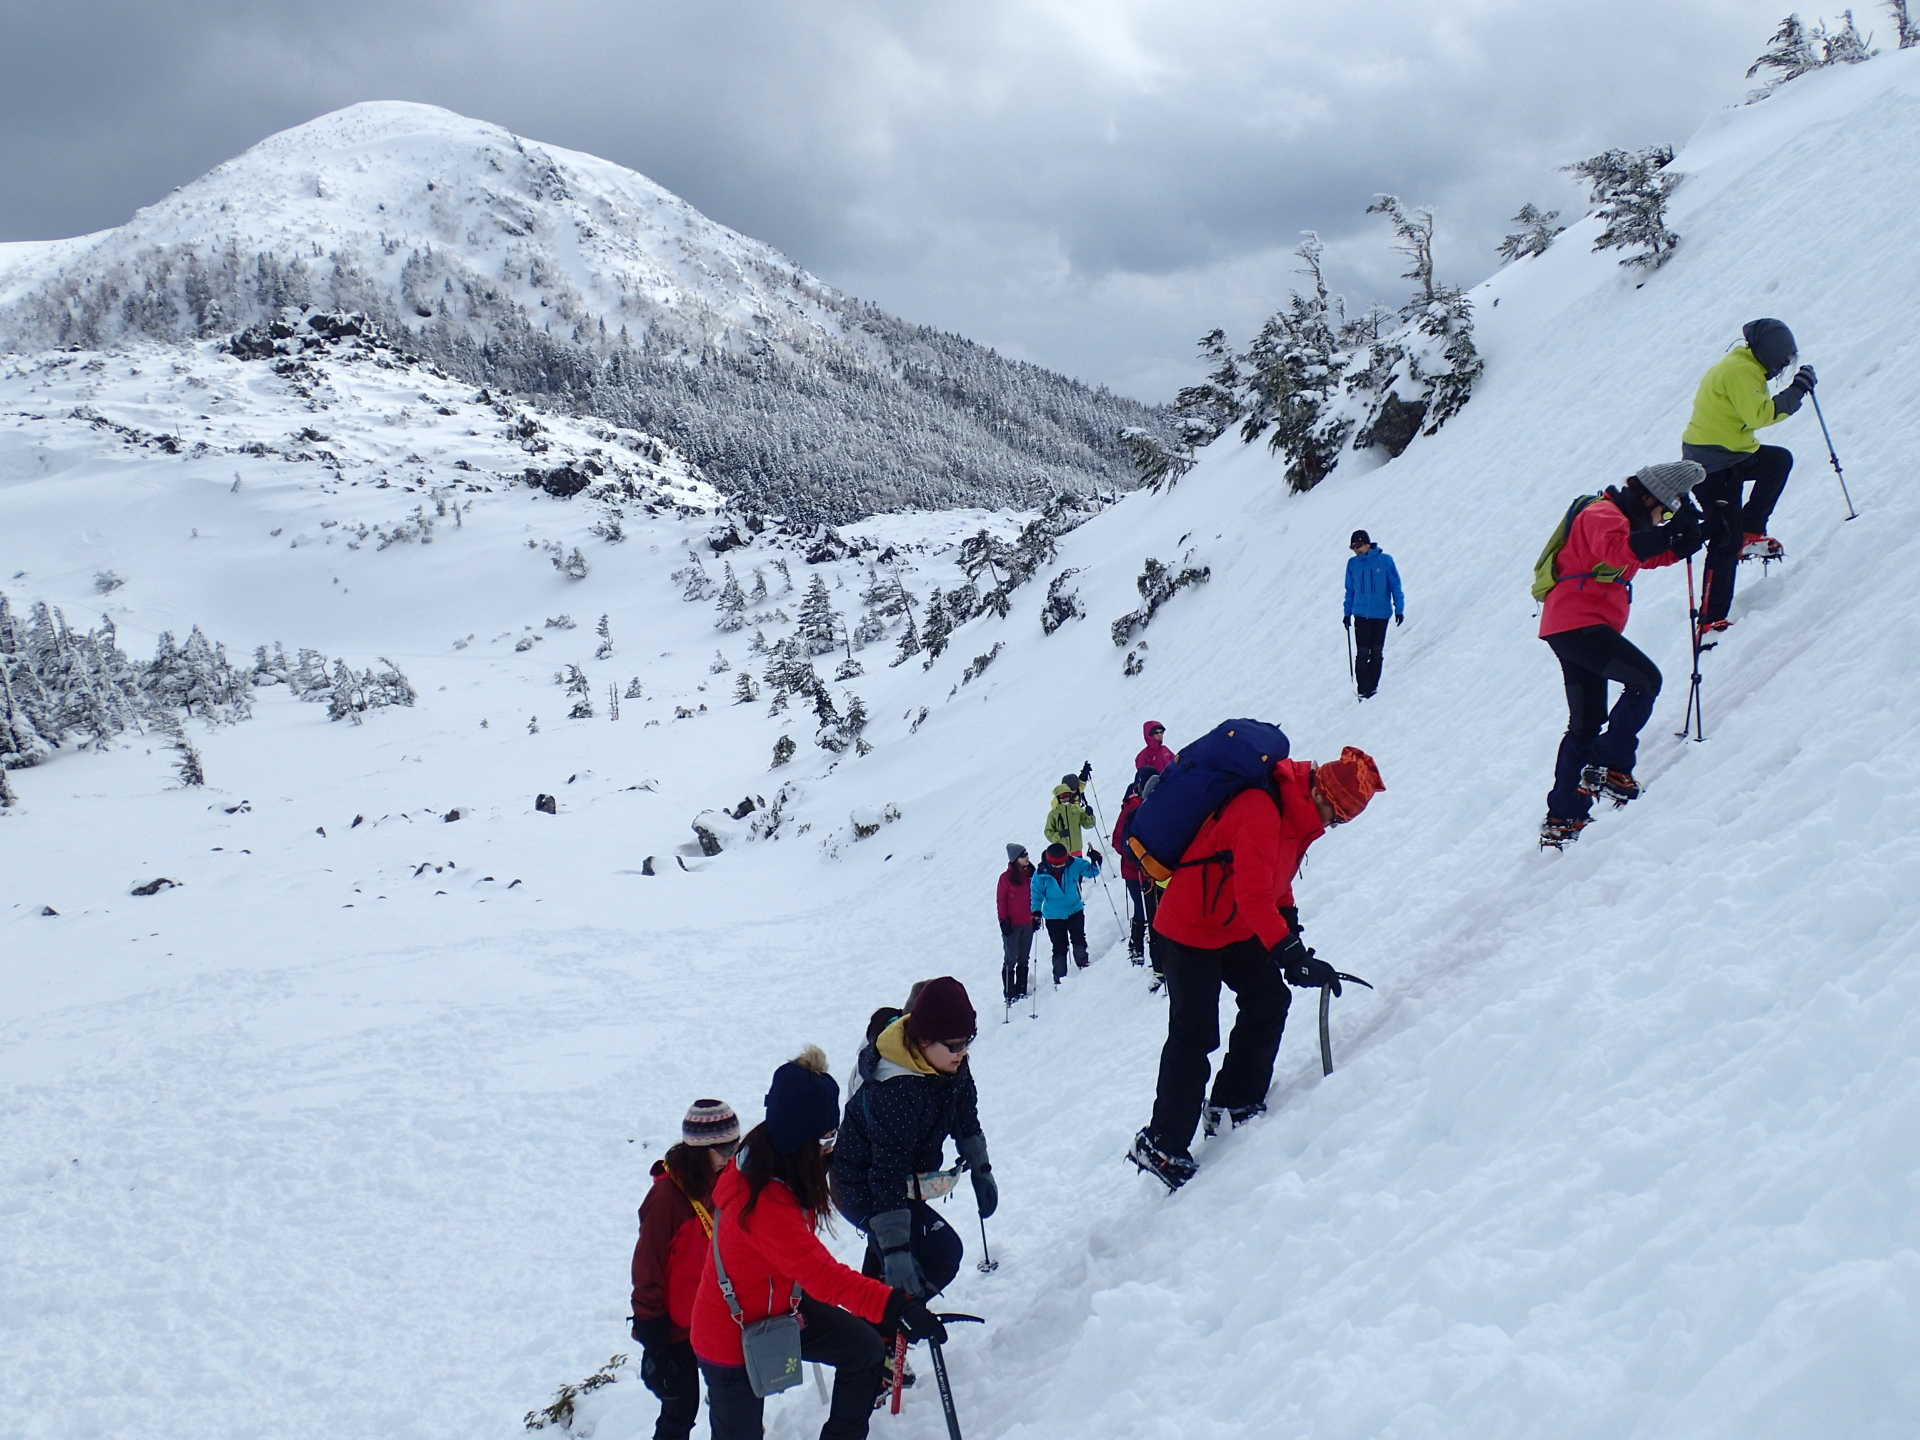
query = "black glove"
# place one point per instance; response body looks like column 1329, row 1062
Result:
column 1086, row 771
column 1686, row 532
column 891, row 1232
column 1347, row 620
column 666, row 1369
column 1304, row 970
column 1805, row 378
column 1095, row 856
column 654, row 1334
column 1006, row 927
column 910, row 1316
column 986, row 1193
column 1399, row 617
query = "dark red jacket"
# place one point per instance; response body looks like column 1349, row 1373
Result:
column 765, row 1255
column 670, row 1253
column 1129, row 870
column 1213, row 905
column 1014, row 896
column 1597, row 540
column 1156, row 754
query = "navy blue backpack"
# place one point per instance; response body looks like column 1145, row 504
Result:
column 1235, row 755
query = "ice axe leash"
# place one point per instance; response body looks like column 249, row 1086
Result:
column 1852, row 514
column 1326, row 1004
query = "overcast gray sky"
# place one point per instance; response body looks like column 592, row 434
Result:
column 1090, row 184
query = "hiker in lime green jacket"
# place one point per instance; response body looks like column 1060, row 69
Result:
column 1069, row 815
column 1731, row 405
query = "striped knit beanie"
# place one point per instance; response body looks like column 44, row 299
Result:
column 1349, row 782
column 710, row 1122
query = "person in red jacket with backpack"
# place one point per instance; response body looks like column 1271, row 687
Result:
column 769, row 1206
column 1609, row 540
column 676, row 1223
column 1228, row 917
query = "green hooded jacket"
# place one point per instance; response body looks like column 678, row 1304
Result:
column 1731, row 403
column 1066, row 820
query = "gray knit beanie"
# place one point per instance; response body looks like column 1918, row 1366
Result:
column 1015, row 851
column 1669, row 481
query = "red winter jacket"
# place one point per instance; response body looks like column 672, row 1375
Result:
column 1129, row 869
column 670, row 1253
column 1014, row 896
column 1212, row 906
column 1598, row 539
column 1156, row 754
column 765, row 1255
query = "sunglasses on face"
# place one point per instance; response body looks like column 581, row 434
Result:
column 954, row 1047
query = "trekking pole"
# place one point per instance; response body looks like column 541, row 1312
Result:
column 1093, row 793
column 987, row 1264
column 1348, row 627
column 1852, row 514
column 1695, row 717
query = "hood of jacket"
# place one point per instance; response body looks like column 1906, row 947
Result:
column 1771, row 343
column 895, row 1054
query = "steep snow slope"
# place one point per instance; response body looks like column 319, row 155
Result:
column 554, row 273
column 1620, row 1146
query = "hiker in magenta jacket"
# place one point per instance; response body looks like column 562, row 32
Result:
column 1608, row 543
column 1156, row 756
column 1013, row 898
column 1143, row 896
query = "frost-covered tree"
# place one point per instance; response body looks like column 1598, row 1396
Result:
column 581, row 689
column 633, row 691
column 1208, row 410
column 783, row 749
column 1905, row 30
column 759, row 591
column 573, row 566
column 1629, row 192
column 819, row 621
column 731, row 604
column 1061, row 604
column 1846, row 46
column 745, row 692
column 720, row 664
column 909, row 643
column 692, row 577
column 786, row 575
column 604, row 651
column 939, row 627
column 1536, row 233
column 1155, row 461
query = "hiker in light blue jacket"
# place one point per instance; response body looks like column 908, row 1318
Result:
column 1056, row 899
column 1373, row 593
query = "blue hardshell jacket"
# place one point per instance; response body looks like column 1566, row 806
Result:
column 1057, row 899
column 1373, row 586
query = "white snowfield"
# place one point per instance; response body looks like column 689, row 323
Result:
column 323, row 1143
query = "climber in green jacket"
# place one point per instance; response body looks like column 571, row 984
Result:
column 1731, row 405
column 1069, row 815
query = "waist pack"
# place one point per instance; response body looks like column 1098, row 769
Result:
column 1234, row 756
column 771, row 1347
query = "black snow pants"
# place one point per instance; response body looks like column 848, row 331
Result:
column 1729, row 522
column 673, row 1374
column 1143, row 900
column 831, row 1336
column 1016, row 944
column 1369, row 653
column 1073, row 928
column 1194, row 978
column 1589, row 658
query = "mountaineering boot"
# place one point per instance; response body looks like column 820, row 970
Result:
column 1138, row 957
column 1762, row 547
column 1172, row 1171
column 1619, row 786
column 885, row 1397
column 1558, row 834
column 1231, row 1117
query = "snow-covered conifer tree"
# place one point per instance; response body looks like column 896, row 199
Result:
column 1211, row 408
column 1535, row 234
column 633, row 690
column 909, row 643
column 819, row 621
column 939, row 627
column 1905, row 30
column 732, row 604
column 720, row 665
column 745, row 692
column 604, row 651
column 581, row 689
column 759, row 592
column 1629, row 192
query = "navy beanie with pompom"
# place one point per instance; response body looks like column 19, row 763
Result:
column 803, row 1103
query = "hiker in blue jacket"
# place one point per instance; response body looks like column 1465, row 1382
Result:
column 1056, row 899
column 1373, row 593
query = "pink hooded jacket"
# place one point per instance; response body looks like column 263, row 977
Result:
column 1156, row 755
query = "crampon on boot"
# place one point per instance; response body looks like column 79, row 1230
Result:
column 1619, row 786
column 1230, row 1117
column 1170, row 1170
column 1762, row 547
column 885, row 1397
column 1557, row 834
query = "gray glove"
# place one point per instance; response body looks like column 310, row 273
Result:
column 891, row 1232
column 1788, row 400
column 986, row 1191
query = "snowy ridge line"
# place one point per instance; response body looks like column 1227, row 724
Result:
column 587, row 287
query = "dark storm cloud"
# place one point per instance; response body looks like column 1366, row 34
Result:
column 1090, row 183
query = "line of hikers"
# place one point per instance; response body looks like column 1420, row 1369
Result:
column 1584, row 576
column 731, row 1282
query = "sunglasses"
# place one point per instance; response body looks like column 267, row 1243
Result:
column 953, row 1047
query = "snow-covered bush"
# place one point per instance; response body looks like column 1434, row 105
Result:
column 1061, row 604
column 1796, row 49
column 1536, row 233
column 1157, row 584
column 1629, row 192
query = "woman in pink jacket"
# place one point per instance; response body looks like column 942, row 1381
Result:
column 1013, row 897
column 1156, row 756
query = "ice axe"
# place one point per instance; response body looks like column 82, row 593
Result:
column 1326, row 1003
column 987, row 1263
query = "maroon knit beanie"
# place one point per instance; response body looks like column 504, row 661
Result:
column 943, row 1012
